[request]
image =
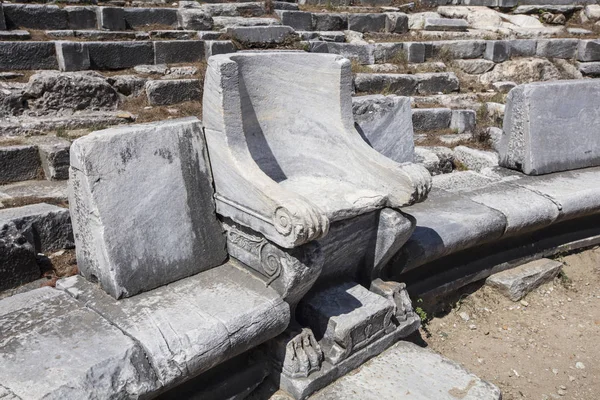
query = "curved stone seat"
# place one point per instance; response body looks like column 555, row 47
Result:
column 285, row 155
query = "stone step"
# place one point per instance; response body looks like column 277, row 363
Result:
column 408, row 370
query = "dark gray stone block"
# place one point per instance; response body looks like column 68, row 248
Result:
column 557, row 48
column 522, row 47
column 367, row 22
column 178, row 51
column 396, row 22
column 50, row 225
column 299, row 20
column 399, row 84
column 119, row 55
column 175, row 227
column 214, row 47
column 33, row 16
column 588, row 50
column 19, row 163
column 17, row 256
column 72, row 56
column 139, row 17
column 431, row 119
column 173, row 91
column 516, row 283
column 497, row 51
column 54, row 155
column 329, row 22
column 81, row 17
column 111, row 18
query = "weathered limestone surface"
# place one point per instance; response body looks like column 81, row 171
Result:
column 557, row 48
column 90, row 358
column 551, row 126
column 291, row 193
column 516, row 283
column 367, row 22
column 189, row 326
column 52, row 91
column 214, row 47
column 111, row 18
column 172, row 91
column 406, row 367
column 153, row 182
column 475, row 159
column 475, row 67
column 364, row 54
column 54, row 155
column 144, row 16
column 81, row 17
column 299, row 20
column 445, row 24
column 50, row 225
column 588, row 50
column 385, row 123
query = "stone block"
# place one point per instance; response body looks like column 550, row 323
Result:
column 284, row 5
column 445, row 24
column 19, row 163
column 346, row 317
column 27, row 55
column 387, row 52
column 399, row 84
column 459, row 49
column 244, row 9
column 2, row 19
column 497, row 51
column 524, row 209
column 194, row 19
column 588, row 50
column 447, row 223
column 385, row 123
column 362, row 53
column 34, row 16
column 128, row 85
column 396, row 22
column 459, row 181
column 54, row 155
column 214, row 47
column 140, row 16
column 463, row 121
column 431, row 119
column 230, row 22
column 16, row 35
column 437, row 82
column 517, row 282
column 50, row 225
column 102, row 360
column 329, row 22
column 503, row 86
column 174, row 227
column 17, row 256
column 522, row 47
column 475, row 66
column 72, row 56
column 178, row 51
column 475, row 159
column 408, row 367
column 367, row 22
column 557, row 48
column 429, row 159
column 210, row 317
column 173, row 91
column 326, row 36
column 81, row 17
column 298, row 20
column 591, row 69
column 111, row 18
column 551, row 127
column 258, row 35
column 119, row 55
column 415, row 52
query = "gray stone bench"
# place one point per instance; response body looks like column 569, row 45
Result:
column 134, row 347
column 468, row 211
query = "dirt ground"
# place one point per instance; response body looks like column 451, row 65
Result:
column 547, row 346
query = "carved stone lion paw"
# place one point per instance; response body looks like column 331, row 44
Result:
column 301, row 220
column 303, row 355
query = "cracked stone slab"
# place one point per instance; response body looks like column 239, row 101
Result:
column 516, row 283
column 407, row 370
column 191, row 325
column 54, row 348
